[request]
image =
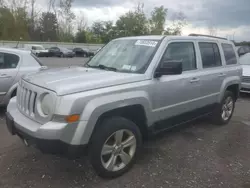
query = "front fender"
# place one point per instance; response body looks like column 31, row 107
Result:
column 9, row 93
column 98, row 106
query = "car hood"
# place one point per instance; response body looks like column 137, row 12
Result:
column 78, row 79
column 246, row 70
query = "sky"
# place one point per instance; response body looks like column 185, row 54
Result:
column 230, row 18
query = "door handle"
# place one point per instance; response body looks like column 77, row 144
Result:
column 4, row 76
column 194, row 80
column 222, row 75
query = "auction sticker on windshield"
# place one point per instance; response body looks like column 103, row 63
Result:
column 149, row 43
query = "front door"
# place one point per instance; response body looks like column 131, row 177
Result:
column 175, row 95
column 8, row 71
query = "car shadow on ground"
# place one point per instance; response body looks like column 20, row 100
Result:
column 187, row 132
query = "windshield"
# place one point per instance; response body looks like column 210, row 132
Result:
column 126, row 55
column 245, row 59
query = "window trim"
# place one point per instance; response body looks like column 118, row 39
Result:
column 218, row 46
column 178, row 41
column 18, row 63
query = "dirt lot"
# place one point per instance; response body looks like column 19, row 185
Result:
column 195, row 155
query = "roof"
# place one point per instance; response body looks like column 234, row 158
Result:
column 15, row 50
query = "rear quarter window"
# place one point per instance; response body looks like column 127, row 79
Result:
column 229, row 54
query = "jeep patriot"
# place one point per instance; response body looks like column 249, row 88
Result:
column 131, row 87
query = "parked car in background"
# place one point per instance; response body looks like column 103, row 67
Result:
column 14, row 63
column 148, row 84
column 83, row 52
column 38, row 50
column 245, row 62
column 241, row 50
column 60, row 52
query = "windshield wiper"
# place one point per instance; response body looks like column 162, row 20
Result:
column 103, row 67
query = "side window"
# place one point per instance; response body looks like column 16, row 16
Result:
column 33, row 48
column 241, row 50
column 229, row 54
column 181, row 51
column 210, row 55
column 8, row 61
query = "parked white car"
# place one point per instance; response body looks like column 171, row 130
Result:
column 245, row 62
column 38, row 50
column 13, row 64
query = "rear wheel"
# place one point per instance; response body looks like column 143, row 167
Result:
column 225, row 109
column 114, row 147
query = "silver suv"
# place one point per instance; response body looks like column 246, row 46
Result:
column 14, row 63
column 132, row 87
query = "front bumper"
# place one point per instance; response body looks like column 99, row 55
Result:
column 245, row 87
column 49, row 138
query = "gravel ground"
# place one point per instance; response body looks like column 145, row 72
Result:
column 195, row 155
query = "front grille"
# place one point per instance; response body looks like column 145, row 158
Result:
column 246, row 79
column 26, row 100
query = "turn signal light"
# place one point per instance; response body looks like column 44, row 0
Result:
column 72, row 118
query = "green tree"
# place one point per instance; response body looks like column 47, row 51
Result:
column 81, row 36
column 158, row 19
column 133, row 23
column 7, row 24
column 49, row 26
column 21, row 23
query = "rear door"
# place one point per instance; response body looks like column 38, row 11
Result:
column 213, row 71
column 8, row 71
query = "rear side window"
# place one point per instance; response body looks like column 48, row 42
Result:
column 210, row 55
column 181, row 51
column 8, row 61
column 229, row 53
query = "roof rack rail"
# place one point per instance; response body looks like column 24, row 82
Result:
column 200, row 35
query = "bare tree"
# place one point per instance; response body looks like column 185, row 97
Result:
column 32, row 16
column 178, row 22
column 2, row 3
column 81, row 21
column 212, row 30
column 52, row 6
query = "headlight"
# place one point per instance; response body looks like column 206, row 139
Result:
column 46, row 104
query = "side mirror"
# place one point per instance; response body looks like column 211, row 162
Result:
column 169, row 67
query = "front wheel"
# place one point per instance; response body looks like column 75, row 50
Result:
column 114, row 147
column 225, row 109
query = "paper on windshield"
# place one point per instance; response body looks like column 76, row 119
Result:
column 149, row 43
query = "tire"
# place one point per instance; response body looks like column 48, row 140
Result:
column 61, row 55
column 217, row 116
column 105, row 134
